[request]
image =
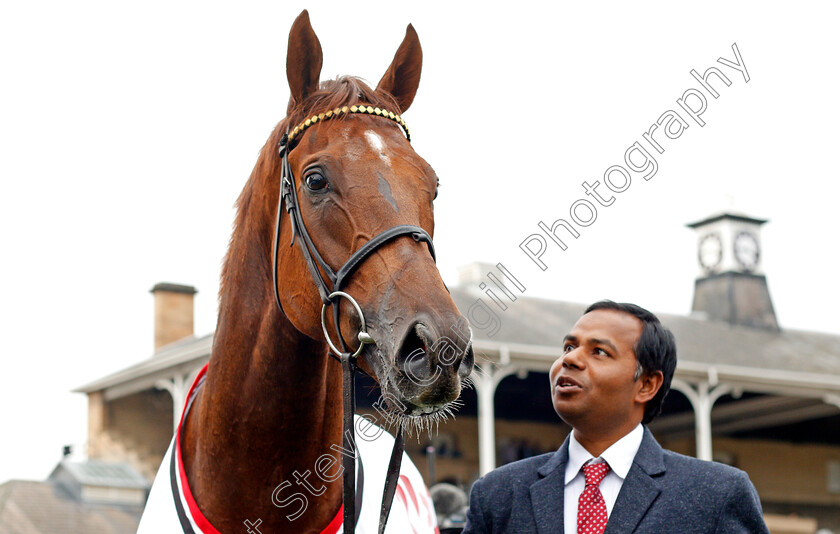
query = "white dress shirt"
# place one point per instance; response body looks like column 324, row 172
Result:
column 619, row 456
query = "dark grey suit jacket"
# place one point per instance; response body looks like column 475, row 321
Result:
column 664, row 492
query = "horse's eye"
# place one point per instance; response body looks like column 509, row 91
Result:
column 315, row 181
column 437, row 189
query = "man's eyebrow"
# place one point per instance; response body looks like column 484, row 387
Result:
column 570, row 337
column 607, row 342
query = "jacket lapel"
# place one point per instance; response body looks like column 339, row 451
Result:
column 547, row 493
column 640, row 488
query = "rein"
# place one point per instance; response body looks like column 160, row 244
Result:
column 288, row 193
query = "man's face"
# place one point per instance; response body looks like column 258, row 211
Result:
column 592, row 384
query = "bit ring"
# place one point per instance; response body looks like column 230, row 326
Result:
column 363, row 336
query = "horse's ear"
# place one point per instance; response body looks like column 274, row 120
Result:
column 403, row 76
column 304, row 59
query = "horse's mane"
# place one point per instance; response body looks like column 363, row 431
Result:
column 258, row 194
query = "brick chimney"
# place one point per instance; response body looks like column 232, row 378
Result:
column 173, row 312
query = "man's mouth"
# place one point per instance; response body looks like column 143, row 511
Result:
column 567, row 384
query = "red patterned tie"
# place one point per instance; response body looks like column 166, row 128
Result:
column 592, row 510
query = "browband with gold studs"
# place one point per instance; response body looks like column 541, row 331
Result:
column 369, row 110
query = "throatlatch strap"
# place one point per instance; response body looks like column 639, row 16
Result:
column 349, row 464
column 393, row 478
column 351, row 497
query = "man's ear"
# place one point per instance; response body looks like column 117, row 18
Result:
column 649, row 384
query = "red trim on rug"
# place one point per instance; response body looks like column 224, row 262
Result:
column 202, row 522
column 336, row 523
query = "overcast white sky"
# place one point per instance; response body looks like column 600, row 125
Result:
column 127, row 131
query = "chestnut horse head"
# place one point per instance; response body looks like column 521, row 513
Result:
column 356, row 176
column 352, row 188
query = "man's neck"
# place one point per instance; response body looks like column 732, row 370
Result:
column 596, row 443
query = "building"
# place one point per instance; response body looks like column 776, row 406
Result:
column 92, row 497
column 746, row 392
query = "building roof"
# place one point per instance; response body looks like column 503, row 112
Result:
column 531, row 333
column 98, row 473
column 30, row 507
column 182, row 356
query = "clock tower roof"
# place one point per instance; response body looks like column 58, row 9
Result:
column 727, row 215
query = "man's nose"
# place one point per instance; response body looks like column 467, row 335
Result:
column 573, row 358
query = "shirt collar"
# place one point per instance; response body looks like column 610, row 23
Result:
column 619, row 455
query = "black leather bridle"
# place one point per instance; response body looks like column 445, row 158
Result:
column 288, row 194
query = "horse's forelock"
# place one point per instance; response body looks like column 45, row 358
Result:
column 343, row 91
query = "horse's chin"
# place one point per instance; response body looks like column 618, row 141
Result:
column 416, row 419
column 413, row 406
column 426, row 402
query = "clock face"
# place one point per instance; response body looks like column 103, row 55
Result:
column 746, row 250
column 710, row 252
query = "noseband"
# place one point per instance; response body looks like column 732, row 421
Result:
column 288, row 193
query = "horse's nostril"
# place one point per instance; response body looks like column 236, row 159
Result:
column 413, row 345
column 413, row 354
column 466, row 365
column 422, row 354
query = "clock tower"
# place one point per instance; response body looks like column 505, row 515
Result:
column 731, row 285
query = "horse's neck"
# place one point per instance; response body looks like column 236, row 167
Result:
column 269, row 408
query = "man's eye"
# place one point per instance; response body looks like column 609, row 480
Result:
column 315, row 181
column 602, row 352
column 567, row 348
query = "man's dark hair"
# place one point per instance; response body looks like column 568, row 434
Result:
column 656, row 350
